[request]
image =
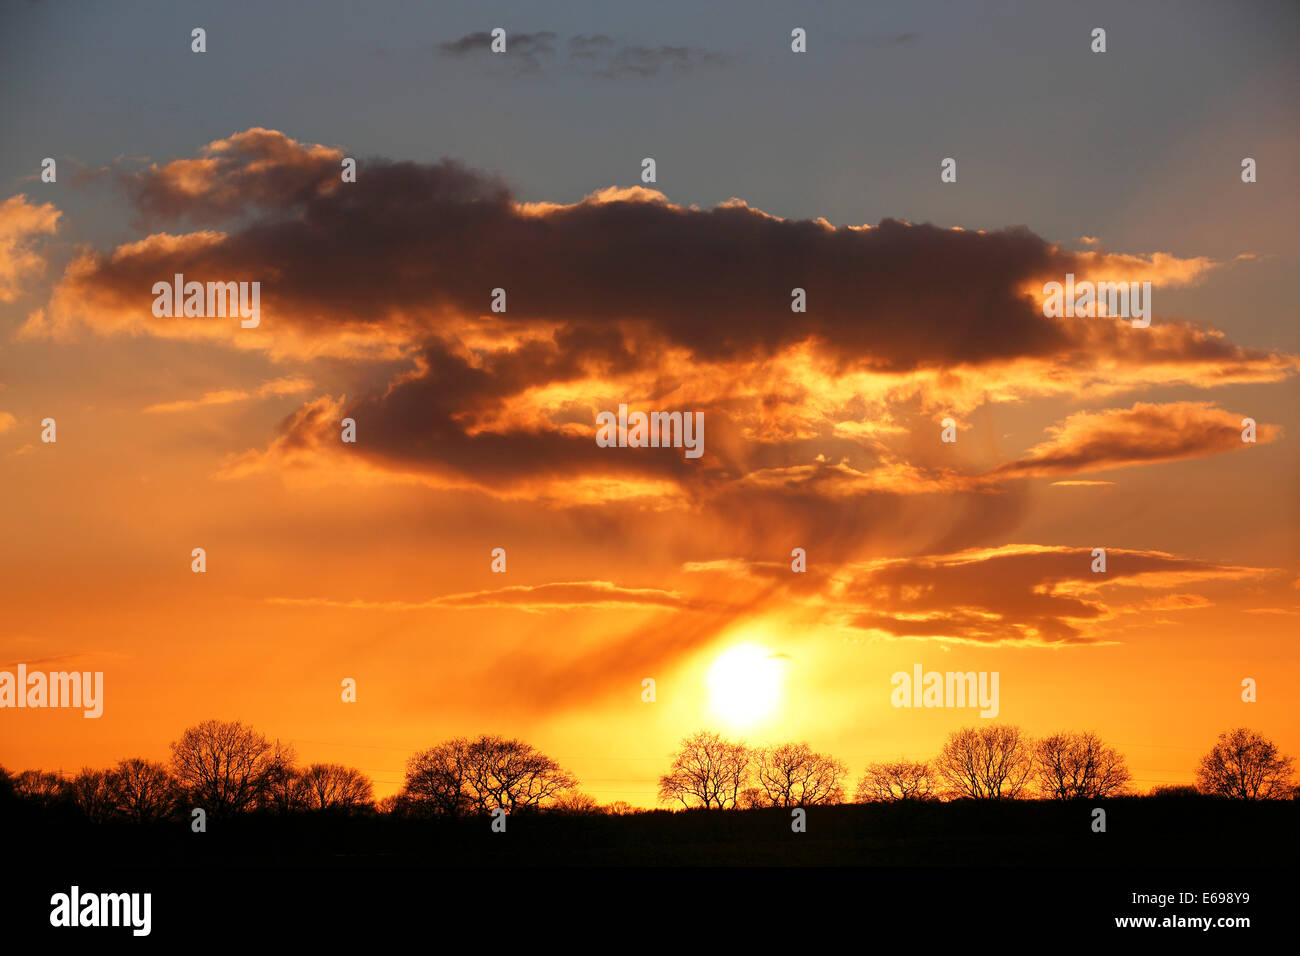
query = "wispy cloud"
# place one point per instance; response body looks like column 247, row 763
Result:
column 227, row 396
column 535, row 598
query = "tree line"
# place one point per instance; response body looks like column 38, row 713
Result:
column 228, row 768
column 986, row 762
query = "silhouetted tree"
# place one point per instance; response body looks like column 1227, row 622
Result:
column 482, row 775
column 989, row 762
column 1245, row 766
column 42, row 788
column 708, row 771
column 1072, row 766
column 513, row 775
column 397, row 805
column 223, row 766
column 792, row 775
column 576, row 804
column 437, row 780
column 93, row 792
column 332, row 786
column 899, row 780
column 143, row 791
column 283, row 789
column 1175, row 790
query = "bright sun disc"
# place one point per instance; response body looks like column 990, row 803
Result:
column 744, row 684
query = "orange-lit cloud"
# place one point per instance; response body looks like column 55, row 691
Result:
column 226, row 396
column 1022, row 593
column 536, row 598
column 1145, row 433
column 399, row 266
column 22, row 223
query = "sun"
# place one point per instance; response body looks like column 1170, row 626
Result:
column 744, row 684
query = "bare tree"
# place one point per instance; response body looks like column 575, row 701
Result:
column 991, row 762
column 900, row 780
column 1072, row 766
column 483, row 775
column 223, row 765
column 513, row 775
column 93, row 791
column 437, row 780
column 1246, row 766
column 283, row 789
column 575, row 803
column 792, row 775
column 1175, row 790
column 143, row 791
column 332, row 786
column 397, row 805
column 41, row 787
column 708, row 771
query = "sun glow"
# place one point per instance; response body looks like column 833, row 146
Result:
column 745, row 684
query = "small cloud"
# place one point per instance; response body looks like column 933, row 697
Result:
column 588, row 46
column 636, row 60
column 892, row 39
column 21, row 223
column 225, row 396
column 525, row 49
column 536, row 598
column 1143, row 434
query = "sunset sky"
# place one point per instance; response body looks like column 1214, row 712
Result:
column 475, row 430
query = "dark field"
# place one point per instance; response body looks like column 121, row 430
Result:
column 1141, row 831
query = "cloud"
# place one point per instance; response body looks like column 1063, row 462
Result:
column 524, row 51
column 637, row 60
column 1143, row 434
column 893, row 39
column 226, row 396
column 536, row 598
column 626, row 297
column 589, row 46
column 590, row 54
column 21, row 225
column 258, row 167
column 1020, row 593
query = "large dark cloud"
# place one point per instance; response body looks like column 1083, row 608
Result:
column 427, row 240
column 623, row 296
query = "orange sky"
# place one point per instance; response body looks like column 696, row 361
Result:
column 476, row 431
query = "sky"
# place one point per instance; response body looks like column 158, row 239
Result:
column 476, row 429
